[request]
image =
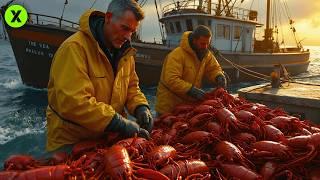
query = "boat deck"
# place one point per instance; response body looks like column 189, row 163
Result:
column 296, row 98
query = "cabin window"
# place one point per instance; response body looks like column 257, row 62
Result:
column 171, row 27
column 223, row 31
column 189, row 24
column 237, row 32
column 201, row 22
column 178, row 26
column 209, row 24
column 166, row 25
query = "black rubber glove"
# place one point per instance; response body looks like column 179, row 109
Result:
column 196, row 93
column 126, row 127
column 221, row 81
column 144, row 117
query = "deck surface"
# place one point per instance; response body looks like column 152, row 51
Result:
column 301, row 98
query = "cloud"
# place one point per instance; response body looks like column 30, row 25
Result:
column 301, row 9
column 315, row 21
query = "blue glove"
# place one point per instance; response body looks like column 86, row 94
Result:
column 126, row 127
column 221, row 81
column 144, row 117
column 196, row 93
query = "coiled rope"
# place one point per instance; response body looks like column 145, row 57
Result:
column 240, row 68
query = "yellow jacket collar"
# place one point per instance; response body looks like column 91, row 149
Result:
column 84, row 21
column 184, row 43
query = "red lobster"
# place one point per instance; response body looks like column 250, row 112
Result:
column 227, row 118
column 119, row 166
column 185, row 168
column 239, row 172
column 198, row 137
column 169, row 136
column 200, row 119
column 244, row 140
column 267, row 149
column 86, row 146
column 229, row 152
column 136, row 146
column 20, row 162
column 47, row 172
column 117, row 163
column 301, row 142
column 160, row 155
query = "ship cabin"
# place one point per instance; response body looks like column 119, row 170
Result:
column 233, row 28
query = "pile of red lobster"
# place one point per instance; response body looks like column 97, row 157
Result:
column 222, row 137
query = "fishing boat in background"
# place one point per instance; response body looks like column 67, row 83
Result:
column 3, row 34
column 242, row 56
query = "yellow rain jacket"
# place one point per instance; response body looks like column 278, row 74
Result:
column 83, row 92
column 182, row 69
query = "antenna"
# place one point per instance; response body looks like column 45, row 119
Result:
column 93, row 4
column 64, row 6
column 161, row 30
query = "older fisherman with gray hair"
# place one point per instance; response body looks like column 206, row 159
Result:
column 93, row 80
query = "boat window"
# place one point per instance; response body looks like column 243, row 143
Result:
column 209, row 24
column 201, row 22
column 227, row 32
column 237, row 32
column 189, row 24
column 178, row 26
column 223, row 31
column 166, row 25
column 171, row 27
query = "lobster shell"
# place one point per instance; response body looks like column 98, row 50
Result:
column 117, row 162
column 196, row 137
column 161, row 154
column 184, row 168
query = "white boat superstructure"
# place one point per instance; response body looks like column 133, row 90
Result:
column 233, row 28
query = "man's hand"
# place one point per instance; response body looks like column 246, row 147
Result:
column 126, row 127
column 221, row 81
column 196, row 93
column 144, row 117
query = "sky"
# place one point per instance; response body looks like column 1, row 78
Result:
column 305, row 13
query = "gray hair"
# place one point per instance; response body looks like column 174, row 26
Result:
column 117, row 7
column 201, row 30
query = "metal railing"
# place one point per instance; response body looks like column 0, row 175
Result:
column 192, row 6
column 41, row 19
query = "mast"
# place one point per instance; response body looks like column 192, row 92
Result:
column 161, row 29
column 209, row 6
column 218, row 10
column 61, row 18
column 200, row 4
column 268, row 42
column 268, row 35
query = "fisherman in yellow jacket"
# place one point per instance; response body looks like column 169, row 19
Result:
column 93, row 80
column 184, row 69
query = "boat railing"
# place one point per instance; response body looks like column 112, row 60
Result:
column 192, row 6
column 171, row 43
column 41, row 19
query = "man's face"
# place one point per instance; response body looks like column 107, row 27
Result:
column 119, row 29
column 201, row 44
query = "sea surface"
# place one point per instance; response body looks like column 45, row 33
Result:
column 22, row 108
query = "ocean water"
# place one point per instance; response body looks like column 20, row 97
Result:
column 22, row 108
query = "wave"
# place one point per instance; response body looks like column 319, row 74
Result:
column 12, row 84
column 8, row 134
